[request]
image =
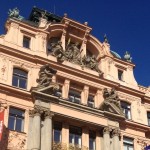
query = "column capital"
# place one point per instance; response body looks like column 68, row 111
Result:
column 107, row 130
column 37, row 111
column 116, row 132
column 31, row 113
column 48, row 114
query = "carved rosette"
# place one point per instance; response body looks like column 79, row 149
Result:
column 107, row 130
column 116, row 132
column 48, row 114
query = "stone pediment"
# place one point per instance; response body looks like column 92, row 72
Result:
column 111, row 102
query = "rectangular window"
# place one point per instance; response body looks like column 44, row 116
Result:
column 92, row 137
column 16, row 119
column 75, row 136
column 128, row 143
column 148, row 118
column 120, row 75
column 26, row 42
column 57, row 132
column 91, row 101
column 74, row 96
column 19, row 78
column 126, row 109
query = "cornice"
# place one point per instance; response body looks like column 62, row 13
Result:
column 134, row 125
column 10, row 90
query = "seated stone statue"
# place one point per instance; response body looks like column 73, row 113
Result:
column 57, row 50
column 111, row 97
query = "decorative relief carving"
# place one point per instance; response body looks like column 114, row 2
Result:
column 111, row 102
column 73, row 54
column 48, row 114
column 107, row 130
column 116, row 132
column 38, row 110
column 4, row 69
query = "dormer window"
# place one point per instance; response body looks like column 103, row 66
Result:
column 120, row 75
column 26, row 42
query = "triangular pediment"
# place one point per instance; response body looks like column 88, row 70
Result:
column 112, row 108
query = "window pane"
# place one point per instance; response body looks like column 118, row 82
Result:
column 26, row 42
column 92, row 144
column 19, row 124
column 11, row 122
column 16, row 119
column 22, row 83
column 19, row 78
column 71, row 138
column 57, row 135
column 15, row 81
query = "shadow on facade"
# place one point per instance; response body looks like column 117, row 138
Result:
column 4, row 141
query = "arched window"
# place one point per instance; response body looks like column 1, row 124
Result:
column 126, row 109
column 19, row 78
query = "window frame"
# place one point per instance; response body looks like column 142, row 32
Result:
column 16, row 117
column 26, row 39
column 57, row 126
column 148, row 118
column 126, row 109
column 75, row 135
column 92, row 136
column 128, row 144
column 74, row 96
column 91, row 101
column 120, row 75
column 18, row 75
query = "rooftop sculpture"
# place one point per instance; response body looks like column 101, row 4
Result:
column 14, row 13
column 127, row 57
column 73, row 54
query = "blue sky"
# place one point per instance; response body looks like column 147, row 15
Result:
column 126, row 23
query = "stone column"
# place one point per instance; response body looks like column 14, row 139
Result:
column 36, row 136
column 106, row 136
column 115, row 135
column 47, row 131
column 30, row 131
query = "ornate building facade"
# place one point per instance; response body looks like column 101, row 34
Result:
column 63, row 89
